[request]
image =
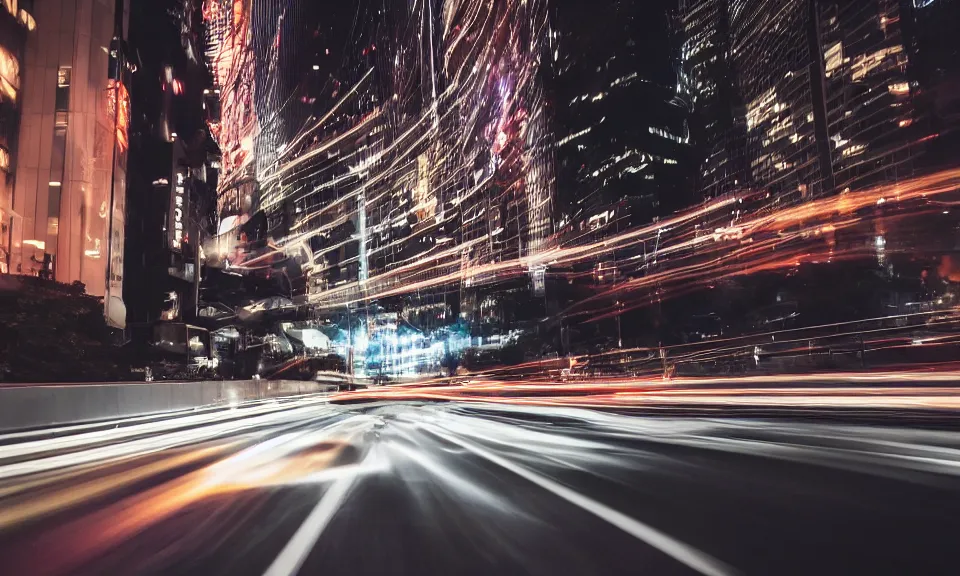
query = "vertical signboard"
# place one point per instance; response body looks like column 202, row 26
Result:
column 178, row 209
column 118, row 113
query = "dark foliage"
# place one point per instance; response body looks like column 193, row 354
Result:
column 53, row 332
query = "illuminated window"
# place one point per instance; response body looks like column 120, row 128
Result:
column 899, row 88
column 665, row 134
column 833, row 57
column 9, row 76
column 27, row 20
column 62, row 96
column 761, row 108
column 866, row 63
column 853, row 150
column 58, row 154
column 123, row 120
column 4, row 159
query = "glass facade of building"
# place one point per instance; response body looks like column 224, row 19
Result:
column 830, row 95
column 424, row 157
column 708, row 83
column 870, row 112
column 71, row 177
column 777, row 76
column 16, row 24
column 621, row 129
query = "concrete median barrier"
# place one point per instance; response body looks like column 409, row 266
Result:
column 34, row 406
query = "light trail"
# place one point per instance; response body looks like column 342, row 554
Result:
column 397, row 190
column 882, row 389
column 799, row 235
column 488, row 115
column 154, row 443
column 500, row 485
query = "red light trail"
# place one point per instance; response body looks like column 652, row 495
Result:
column 896, row 390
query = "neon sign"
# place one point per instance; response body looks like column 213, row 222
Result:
column 177, row 216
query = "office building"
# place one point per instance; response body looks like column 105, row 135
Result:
column 870, row 111
column 708, row 85
column 410, row 144
column 822, row 96
column 622, row 137
column 778, row 71
column 70, row 189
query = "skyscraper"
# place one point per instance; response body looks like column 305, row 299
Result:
column 830, row 95
column 708, row 84
column 869, row 109
column 230, row 55
column 71, row 181
column 424, row 155
column 621, row 128
column 172, row 177
column 775, row 56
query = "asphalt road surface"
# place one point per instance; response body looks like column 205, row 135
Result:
column 306, row 487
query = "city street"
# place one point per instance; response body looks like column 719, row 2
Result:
column 468, row 287
column 305, row 486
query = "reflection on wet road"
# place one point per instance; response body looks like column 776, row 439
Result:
column 306, row 487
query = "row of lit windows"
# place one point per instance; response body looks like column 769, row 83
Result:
column 669, row 136
column 865, row 48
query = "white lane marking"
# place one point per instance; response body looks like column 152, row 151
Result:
column 295, row 553
column 679, row 551
column 458, row 484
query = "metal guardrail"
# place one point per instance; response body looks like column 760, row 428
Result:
column 38, row 405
